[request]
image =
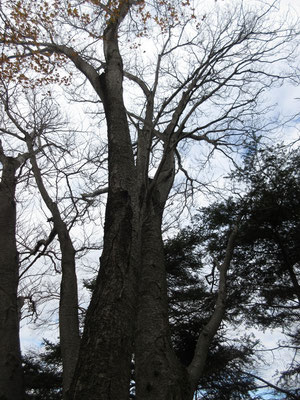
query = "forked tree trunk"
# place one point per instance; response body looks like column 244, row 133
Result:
column 11, row 378
column 132, row 233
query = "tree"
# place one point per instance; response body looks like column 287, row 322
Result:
column 274, row 206
column 11, row 377
column 43, row 373
column 191, row 300
column 263, row 282
column 269, row 248
column 32, row 130
column 221, row 68
column 272, row 180
column 68, row 309
column 186, row 296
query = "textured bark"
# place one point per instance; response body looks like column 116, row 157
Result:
column 103, row 370
column 11, row 379
column 159, row 374
column 68, row 305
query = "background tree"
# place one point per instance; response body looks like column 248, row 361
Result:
column 43, row 373
column 45, row 117
column 269, row 248
column 11, row 377
column 263, row 280
column 35, row 129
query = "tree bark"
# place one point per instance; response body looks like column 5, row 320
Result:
column 103, row 371
column 159, row 374
column 11, row 378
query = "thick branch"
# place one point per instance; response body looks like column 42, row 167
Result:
column 196, row 367
column 97, row 192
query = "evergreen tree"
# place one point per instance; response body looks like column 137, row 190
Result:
column 43, row 373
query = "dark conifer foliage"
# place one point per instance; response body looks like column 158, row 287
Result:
column 43, row 373
column 191, row 302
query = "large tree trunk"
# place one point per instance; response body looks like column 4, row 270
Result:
column 68, row 305
column 103, row 370
column 104, row 366
column 159, row 375
column 11, row 378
